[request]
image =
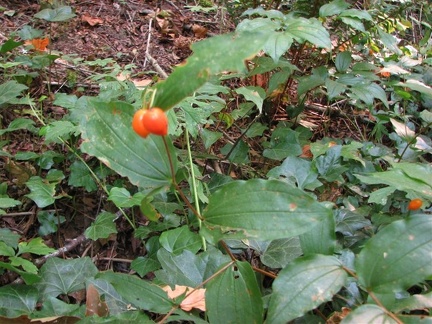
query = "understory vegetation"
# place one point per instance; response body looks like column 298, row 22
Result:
column 294, row 183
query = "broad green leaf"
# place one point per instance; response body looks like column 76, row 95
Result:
column 9, row 45
column 102, row 227
column 348, row 222
column 148, row 209
column 254, row 94
column 53, row 307
column 368, row 92
column 238, row 154
column 122, row 198
column 144, row 265
column 329, row 165
column 368, row 314
column 65, row 100
column 417, row 171
column 234, row 296
column 26, row 265
column 413, row 302
column 108, row 135
column 396, row 257
column 334, row 88
column 355, row 13
column 284, row 142
column 416, row 86
column 57, row 131
column 9, row 202
column 65, row 276
column 6, row 250
column 298, row 172
column 281, row 252
column 80, row 176
column 139, row 293
column 343, row 61
column 17, row 300
column 41, row 191
column 208, row 59
column 303, row 285
column 333, row 8
column 18, row 124
column 321, row 239
column 116, row 303
column 29, row 278
column 389, row 41
column 35, row 246
column 177, row 240
column 10, row 238
column 310, row 30
column 277, row 44
column 49, row 222
column 59, row 14
column 187, row 268
column 238, row 206
column 9, row 91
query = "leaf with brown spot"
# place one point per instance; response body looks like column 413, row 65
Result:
column 94, row 305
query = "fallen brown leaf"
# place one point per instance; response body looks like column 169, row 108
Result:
column 91, row 20
column 195, row 297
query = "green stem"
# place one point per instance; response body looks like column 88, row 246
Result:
column 197, row 207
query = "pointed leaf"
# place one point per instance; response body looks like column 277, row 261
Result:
column 207, row 59
column 42, row 191
column 334, row 88
column 65, row 276
column 287, row 211
column 62, row 13
column 343, row 61
column 234, row 296
column 281, row 252
column 16, row 300
column 108, row 135
column 139, row 293
column 180, row 239
column 9, row 91
column 303, row 285
column 103, row 227
column 254, row 94
column 310, row 30
column 333, row 8
column 116, row 304
column 368, row 314
column 395, row 258
column 321, row 239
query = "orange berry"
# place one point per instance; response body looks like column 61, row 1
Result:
column 137, row 123
column 155, row 121
column 415, row 204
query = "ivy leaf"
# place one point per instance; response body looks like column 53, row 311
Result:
column 62, row 13
column 58, row 130
column 122, row 198
column 80, row 176
column 41, row 191
column 180, row 239
column 102, row 227
column 17, row 300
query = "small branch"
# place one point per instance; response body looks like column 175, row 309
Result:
column 156, row 66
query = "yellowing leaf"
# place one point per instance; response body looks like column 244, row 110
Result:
column 195, row 298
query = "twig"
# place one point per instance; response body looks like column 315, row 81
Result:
column 152, row 61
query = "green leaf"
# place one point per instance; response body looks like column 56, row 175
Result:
column 394, row 259
column 6, row 250
column 238, row 206
column 207, row 59
column 18, row 124
column 368, row 92
column 57, row 131
column 107, row 134
column 368, row 314
column 334, row 88
column 414, row 302
column 35, row 246
column 234, row 296
column 298, row 172
column 139, row 293
column 9, row 45
column 29, row 278
column 49, row 222
column 416, row 86
column 10, row 238
column 303, row 285
column 309, row 82
column 59, row 14
column 277, row 44
column 9, row 91
column 144, row 265
column 80, row 176
column 9, row 202
column 321, row 239
column 65, row 276
column 187, row 268
column 333, row 8
column 26, row 265
column 284, row 142
column 310, row 30
column 17, row 300
column 281, row 252
column 53, row 307
column 343, row 61
column 116, row 303
column 254, row 94
column 41, row 191
column 102, row 227
column 355, row 13
column 122, row 198
column 389, row 41
column 149, row 210
column 180, row 239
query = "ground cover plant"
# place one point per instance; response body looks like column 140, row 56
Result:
column 281, row 171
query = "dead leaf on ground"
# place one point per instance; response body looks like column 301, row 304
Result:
column 92, row 21
column 195, row 297
column 39, row 44
column 199, row 31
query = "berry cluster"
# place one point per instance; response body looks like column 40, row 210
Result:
column 150, row 121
